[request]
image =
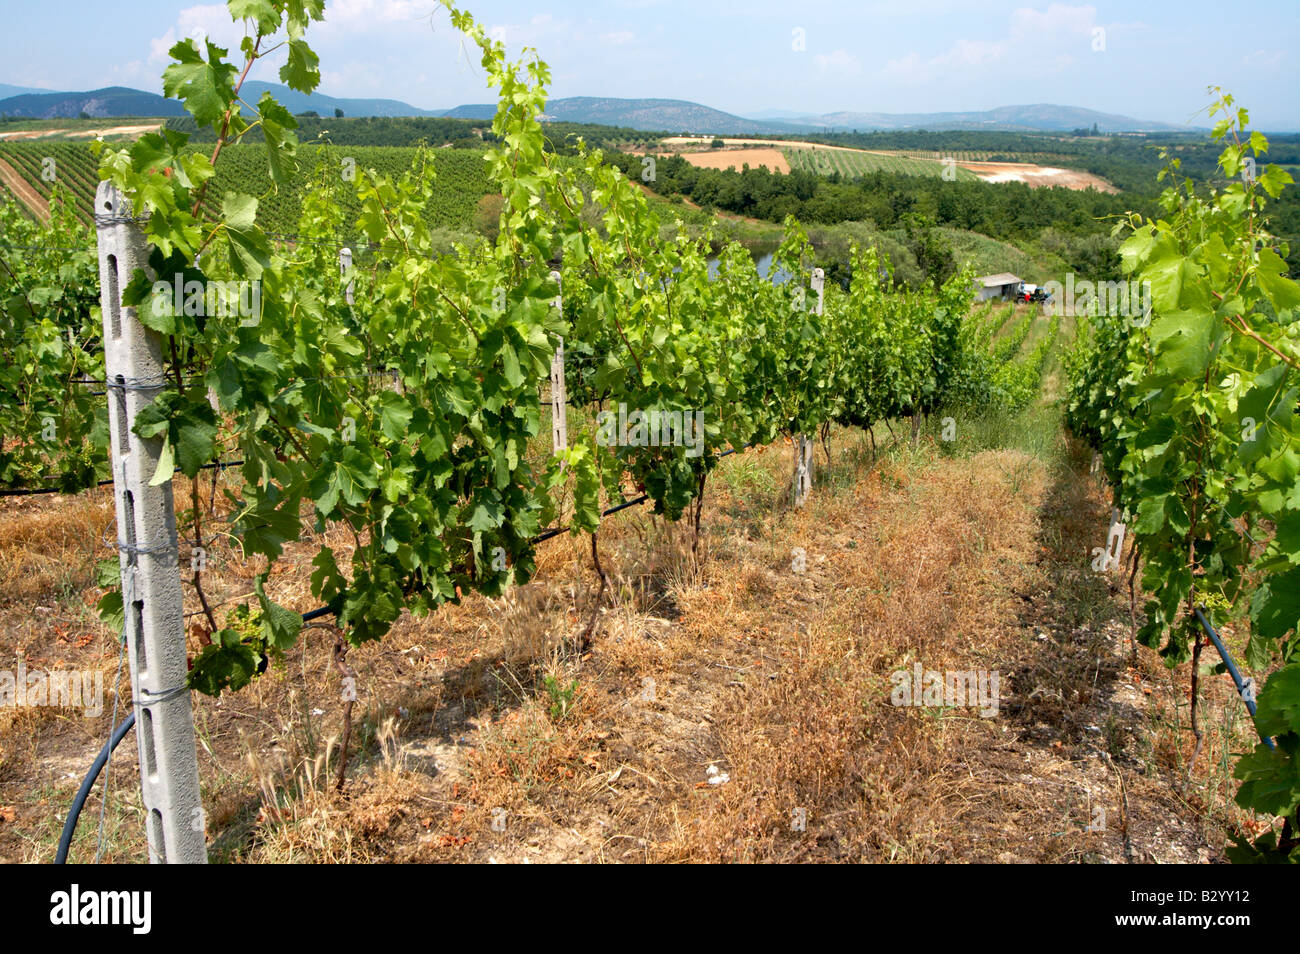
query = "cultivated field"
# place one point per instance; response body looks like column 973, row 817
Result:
column 462, row 178
column 773, row 159
column 852, row 163
column 823, row 159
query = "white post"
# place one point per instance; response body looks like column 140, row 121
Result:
column 803, row 449
column 345, row 270
column 559, row 394
column 1114, row 539
column 147, row 550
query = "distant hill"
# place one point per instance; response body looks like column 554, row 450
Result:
column 6, row 90
column 121, row 101
column 675, row 115
column 99, row 103
column 472, row 111
column 1040, row 117
column 658, row 115
column 672, row 115
column 297, row 102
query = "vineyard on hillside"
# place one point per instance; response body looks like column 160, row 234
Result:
column 357, row 422
column 851, row 164
column 960, row 155
column 1192, row 410
column 462, row 177
column 71, row 165
column 243, row 169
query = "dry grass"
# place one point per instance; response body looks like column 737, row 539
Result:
column 483, row 733
column 50, row 546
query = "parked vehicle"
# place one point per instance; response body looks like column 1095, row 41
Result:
column 1028, row 293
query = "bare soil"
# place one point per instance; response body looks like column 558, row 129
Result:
column 1034, row 175
column 773, row 159
column 131, row 131
column 734, row 707
column 1028, row 173
column 24, row 192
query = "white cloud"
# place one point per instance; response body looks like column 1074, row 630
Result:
column 967, row 53
column 838, row 63
column 617, row 37
column 1058, row 20
column 909, row 67
column 211, row 21
column 1263, row 59
column 344, row 19
column 358, row 78
column 1047, row 37
column 159, row 46
column 355, row 15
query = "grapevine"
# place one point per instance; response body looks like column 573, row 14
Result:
column 1192, row 410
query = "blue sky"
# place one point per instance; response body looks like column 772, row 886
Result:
column 1151, row 60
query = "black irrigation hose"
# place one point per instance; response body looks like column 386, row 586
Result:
column 74, row 813
column 70, row 826
column 1232, row 667
column 551, row 534
column 32, row 491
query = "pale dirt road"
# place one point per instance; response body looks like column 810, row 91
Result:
column 22, row 135
column 23, row 190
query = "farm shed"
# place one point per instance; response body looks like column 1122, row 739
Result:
column 1002, row 285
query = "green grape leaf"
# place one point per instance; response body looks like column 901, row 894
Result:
column 205, row 86
column 280, row 625
column 1272, row 271
column 281, row 143
column 302, row 70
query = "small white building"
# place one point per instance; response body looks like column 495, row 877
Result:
column 1003, row 285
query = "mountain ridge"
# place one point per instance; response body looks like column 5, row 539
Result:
column 650, row 114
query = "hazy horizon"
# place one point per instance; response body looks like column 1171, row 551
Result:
column 1150, row 61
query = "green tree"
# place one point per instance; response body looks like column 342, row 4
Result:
column 933, row 252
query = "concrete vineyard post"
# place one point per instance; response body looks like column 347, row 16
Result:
column 1115, row 539
column 559, row 395
column 803, row 451
column 147, row 551
column 345, row 270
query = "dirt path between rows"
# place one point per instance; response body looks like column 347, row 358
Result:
column 22, row 189
column 742, row 709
